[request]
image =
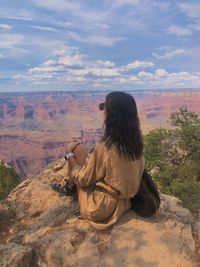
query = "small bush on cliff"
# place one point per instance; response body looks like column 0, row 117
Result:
column 175, row 154
column 8, row 180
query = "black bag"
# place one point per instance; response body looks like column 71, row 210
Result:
column 147, row 201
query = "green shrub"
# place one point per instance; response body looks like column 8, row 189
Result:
column 8, row 180
column 175, row 155
column 189, row 193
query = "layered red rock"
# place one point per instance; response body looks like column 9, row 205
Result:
column 36, row 127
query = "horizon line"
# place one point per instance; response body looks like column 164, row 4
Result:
column 99, row 91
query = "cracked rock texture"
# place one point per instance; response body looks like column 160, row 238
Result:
column 40, row 228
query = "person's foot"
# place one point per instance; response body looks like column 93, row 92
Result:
column 60, row 189
column 71, row 190
column 66, row 190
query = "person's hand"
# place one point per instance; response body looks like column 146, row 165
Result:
column 71, row 147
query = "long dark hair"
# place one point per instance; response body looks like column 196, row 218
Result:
column 122, row 126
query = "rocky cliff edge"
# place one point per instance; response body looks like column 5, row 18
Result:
column 40, row 228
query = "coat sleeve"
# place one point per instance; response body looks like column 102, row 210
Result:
column 86, row 175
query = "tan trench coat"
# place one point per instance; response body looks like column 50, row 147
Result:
column 107, row 181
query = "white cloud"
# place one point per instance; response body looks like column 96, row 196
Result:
column 92, row 17
column 103, row 40
column 106, row 63
column 106, row 72
column 101, row 72
column 13, row 13
column 68, row 50
column 120, row 3
column 68, row 60
column 196, row 26
column 5, row 27
column 81, row 15
column 191, row 9
column 179, row 30
column 82, row 72
column 163, row 79
column 169, row 55
column 46, row 44
column 17, row 77
column 99, row 40
column 44, row 28
column 137, row 64
column 49, row 62
column 40, row 82
column 59, row 52
column 36, row 77
column 97, row 84
column 133, row 79
column 161, row 73
column 76, row 79
column 18, row 44
column 144, row 75
column 10, row 40
column 2, row 56
column 57, row 5
column 45, row 69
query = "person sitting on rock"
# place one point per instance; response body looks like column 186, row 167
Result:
column 110, row 174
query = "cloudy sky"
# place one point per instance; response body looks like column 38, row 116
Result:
column 90, row 44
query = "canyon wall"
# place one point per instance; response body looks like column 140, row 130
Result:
column 36, row 127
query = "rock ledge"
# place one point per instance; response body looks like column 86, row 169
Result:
column 40, row 228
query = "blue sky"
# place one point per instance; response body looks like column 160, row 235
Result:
column 97, row 45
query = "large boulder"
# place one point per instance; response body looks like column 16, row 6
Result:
column 40, row 228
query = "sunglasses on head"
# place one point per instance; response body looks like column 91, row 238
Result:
column 101, row 106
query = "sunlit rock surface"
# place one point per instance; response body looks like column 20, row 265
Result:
column 40, row 228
